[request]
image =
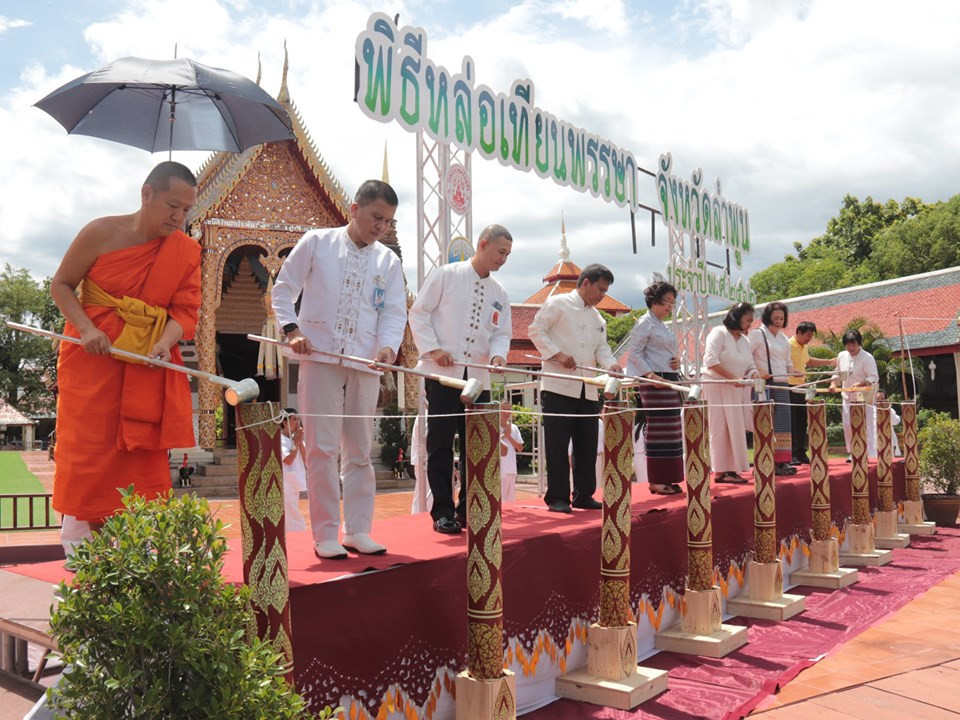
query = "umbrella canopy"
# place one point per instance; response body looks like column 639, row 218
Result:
column 159, row 105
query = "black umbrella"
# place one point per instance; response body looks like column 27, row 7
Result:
column 159, row 105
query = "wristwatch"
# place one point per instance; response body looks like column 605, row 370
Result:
column 289, row 328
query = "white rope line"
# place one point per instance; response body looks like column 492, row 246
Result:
column 283, row 414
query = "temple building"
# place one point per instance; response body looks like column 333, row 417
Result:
column 561, row 278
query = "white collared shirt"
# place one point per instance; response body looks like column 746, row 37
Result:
column 776, row 348
column 652, row 346
column 354, row 301
column 859, row 369
column 565, row 324
column 464, row 314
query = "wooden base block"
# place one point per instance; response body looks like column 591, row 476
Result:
column 611, row 651
column 482, row 699
column 913, row 512
column 886, row 524
column 723, row 641
column 642, row 684
column 900, row 540
column 824, row 556
column 781, row 608
column 700, row 611
column 925, row 528
column 872, row 559
column 860, row 539
column 839, row 578
column 764, row 581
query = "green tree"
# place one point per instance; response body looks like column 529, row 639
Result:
column 931, row 241
column 151, row 629
column 27, row 362
column 618, row 328
column 846, row 254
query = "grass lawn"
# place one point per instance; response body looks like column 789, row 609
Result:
column 16, row 479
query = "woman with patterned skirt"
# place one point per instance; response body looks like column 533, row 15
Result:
column 652, row 353
column 771, row 355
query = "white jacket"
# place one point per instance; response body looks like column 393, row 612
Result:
column 468, row 316
column 565, row 324
column 356, row 319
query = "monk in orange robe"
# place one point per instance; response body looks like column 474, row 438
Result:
column 117, row 419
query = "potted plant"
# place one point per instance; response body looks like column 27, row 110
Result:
column 940, row 469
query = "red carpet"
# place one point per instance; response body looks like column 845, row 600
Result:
column 733, row 686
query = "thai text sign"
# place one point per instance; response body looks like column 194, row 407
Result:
column 688, row 208
column 398, row 82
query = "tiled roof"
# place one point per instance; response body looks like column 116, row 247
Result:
column 563, row 270
column 608, row 304
column 9, row 415
column 928, row 304
column 521, row 316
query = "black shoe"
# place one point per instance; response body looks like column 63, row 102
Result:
column 785, row 469
column 795, row 462
column 849, row 459
column 446, row 526
column 588, row 504
column 801, row 459
column 558, row 506
column 462, row 517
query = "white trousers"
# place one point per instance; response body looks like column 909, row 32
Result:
column 324, row 391
column 870, row 418
column 73, row 532
column 508, row 487
column 292, row 517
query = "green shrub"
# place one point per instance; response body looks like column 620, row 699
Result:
column 150, row 629
column 924, row 415
column 835, row 436
column 940, row 453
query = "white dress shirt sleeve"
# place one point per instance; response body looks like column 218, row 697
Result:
column 421, row 313
column 500, row 340
column 539, row 330
column 291, row 279
column 393, row 315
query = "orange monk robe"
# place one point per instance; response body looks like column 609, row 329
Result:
column 116, row 420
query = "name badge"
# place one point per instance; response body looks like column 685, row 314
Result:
column 379, row 292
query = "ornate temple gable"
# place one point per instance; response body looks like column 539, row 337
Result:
column 277, row 188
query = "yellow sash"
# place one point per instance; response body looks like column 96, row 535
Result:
column 143, row 323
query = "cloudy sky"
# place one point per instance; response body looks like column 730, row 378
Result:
column 792, row 103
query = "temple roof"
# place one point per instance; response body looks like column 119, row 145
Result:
column 9, row 415
column 223, row 171
column 562, row 278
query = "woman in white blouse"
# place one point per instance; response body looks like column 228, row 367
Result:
column 729, row 412
column 771, row 355
column 857, row 368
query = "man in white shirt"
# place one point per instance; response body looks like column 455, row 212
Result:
column 569, row 331
column 511, row 442
column 857, row 368
column 353, row 303
column 461, row 314
column 294, row 471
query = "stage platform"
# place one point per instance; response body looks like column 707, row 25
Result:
column 390, row 631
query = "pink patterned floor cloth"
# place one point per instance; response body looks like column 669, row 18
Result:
column 733, row 686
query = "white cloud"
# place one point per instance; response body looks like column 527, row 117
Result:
column 11, row 23
column 792, row 104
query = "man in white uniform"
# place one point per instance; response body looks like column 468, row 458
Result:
column 857, row 368
column 294, row 472
column 461, row 314
column 569, row 331
column 353, row 303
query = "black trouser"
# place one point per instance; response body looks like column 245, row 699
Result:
column 557, row 434
column 442, row 400
column 798, row 427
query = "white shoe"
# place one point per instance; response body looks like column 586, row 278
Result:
column 363, row 544
column 329, row 550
